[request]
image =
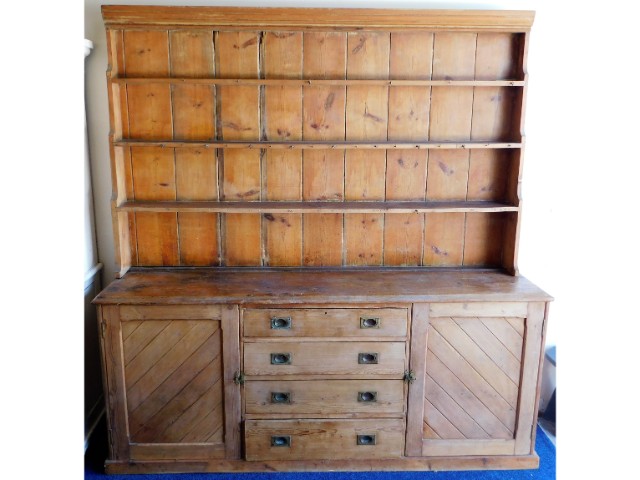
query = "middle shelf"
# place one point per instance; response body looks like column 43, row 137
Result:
column 317, row 207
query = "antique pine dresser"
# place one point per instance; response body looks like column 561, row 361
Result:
column 316, row 215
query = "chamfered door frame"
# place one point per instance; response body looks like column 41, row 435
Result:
column 524, row 436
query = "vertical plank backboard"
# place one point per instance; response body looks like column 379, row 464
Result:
column 411, row 55
column 282, row 121
column 488, row 174
column 451, row 108
column 191, row 53
column 483, row 239
column 237, row 56
column 324, row 57
column 366, row 120
column 448, row 173
column 154, row 179
column 198, row 231
column 146, row 53
column 443, row 239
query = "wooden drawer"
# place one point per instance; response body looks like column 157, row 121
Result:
column 325, row 322
column 322, row 439
column 324, row 397
column 324, row 358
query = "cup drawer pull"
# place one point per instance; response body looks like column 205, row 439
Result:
column 280, row 440
column 368, row 397
column 280, row 397
column 280, row 323
column 366, row 439
column 369, row 322
column 367, row 358
column 280, row 359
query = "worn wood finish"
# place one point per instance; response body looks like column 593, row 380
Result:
column 325, row 397
column 323, row 439
column 312, row 163
column 325, row 322
column 329, row 358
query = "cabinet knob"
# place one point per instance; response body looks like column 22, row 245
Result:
column 366, row 439
column 280, row 440
column 280, row 359
column 367, row 358
column 280, row 323
column 369, row 322
column 280, row 397
column 368, row 397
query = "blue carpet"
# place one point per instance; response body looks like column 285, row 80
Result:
column 97, row 452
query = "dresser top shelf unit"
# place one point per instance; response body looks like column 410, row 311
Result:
column 284, row 137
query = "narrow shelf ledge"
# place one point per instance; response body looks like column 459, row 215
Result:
column 316, row 207
column 301, row 145
column 288, row 82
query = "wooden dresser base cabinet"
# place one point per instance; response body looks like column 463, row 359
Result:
column 197, row 381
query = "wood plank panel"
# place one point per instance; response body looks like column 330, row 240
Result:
column 191, row 53
column 198, row 231
column 323, row 175
column 443, row 239
column 471, row 378
column 324, row 56
column 150, row 111
column 241, row 179
column 282, row 120
column 466, row 398
column 507, row 335
column 193, row 112
column 411, row 59
column 482, row 245
column 449, row 408
column 324, row 439
column 477, row 358
column 403, row 239
column 242, row 239
column 183, row 386
column 497, row 56
column 146, row 53
column 366, row 119
column 154, row 175
column 489, row 171
column 322, row 242
column 436, row 421
column 448, row 173
column 499, row 353
column 493, row 113
column 135, row 339
column 451, row 109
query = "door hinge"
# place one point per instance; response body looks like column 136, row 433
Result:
column 238, row 378
column 409, row 376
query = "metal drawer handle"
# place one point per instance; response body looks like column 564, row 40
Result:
column 369, row 322
column 280, row 359
column 281, row 323
column 280, row 440
column 366, row 439
column 367, row 358
column 369, row 397
column 280, row 397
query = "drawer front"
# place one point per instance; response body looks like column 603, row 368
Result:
column 325, row 322
column 322, row 439
column 324, row 396
column 324, row 358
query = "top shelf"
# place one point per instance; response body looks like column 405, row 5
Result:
column 288, row 82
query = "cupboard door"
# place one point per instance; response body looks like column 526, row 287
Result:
column 476, row 367
column 170, row 381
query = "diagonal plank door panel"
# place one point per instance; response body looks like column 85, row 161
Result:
column 472, row 379
column 173, row 377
